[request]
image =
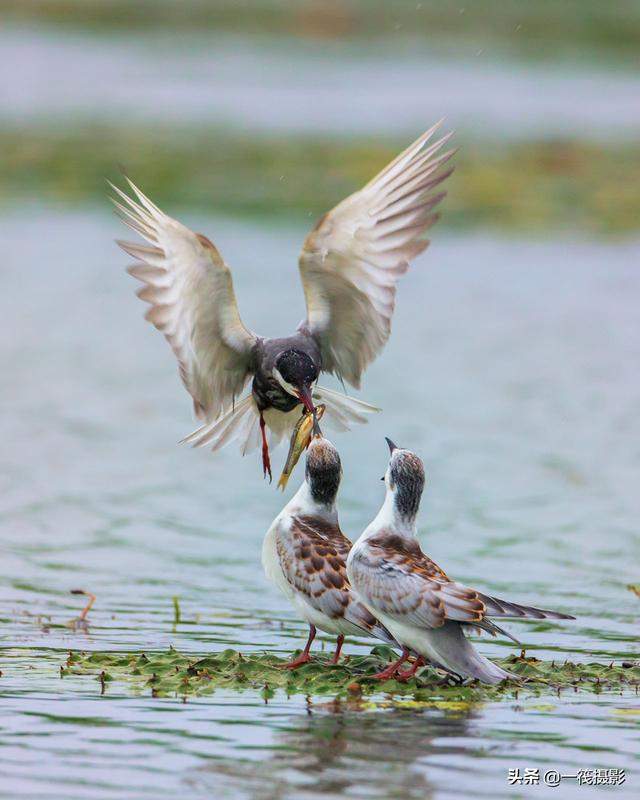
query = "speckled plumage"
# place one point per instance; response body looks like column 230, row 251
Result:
column 424, row 609
column 305, row 551
column 313, row 554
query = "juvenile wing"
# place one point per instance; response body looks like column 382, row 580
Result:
column 315, row 566
column 190, row 290
column 400, row 581
column 352, row 260
column 313, row 558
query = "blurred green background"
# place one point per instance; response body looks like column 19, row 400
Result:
column 512, row 369
column 220, row 105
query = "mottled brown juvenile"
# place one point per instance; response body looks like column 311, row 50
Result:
column 313, row 558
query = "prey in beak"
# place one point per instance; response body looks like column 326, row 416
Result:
column 306, row 429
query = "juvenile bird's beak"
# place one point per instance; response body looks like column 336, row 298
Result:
column 316, row 427
column 304, row 393
column 392, row 446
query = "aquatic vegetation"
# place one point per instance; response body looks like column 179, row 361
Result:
column 172, row 673
column 533, row 186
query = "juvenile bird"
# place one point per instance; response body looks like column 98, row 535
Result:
column 423, row 609
column 304, row 554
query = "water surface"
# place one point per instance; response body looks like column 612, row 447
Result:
column 512, row 370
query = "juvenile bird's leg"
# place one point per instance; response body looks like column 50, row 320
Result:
column 339, row 643
column 404, row 675
column 304, row 656
column 391, row 670
column 266, row 461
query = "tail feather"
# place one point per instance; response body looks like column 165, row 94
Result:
column 236, row 423
column 496, row 607
column 491, row 627
column 341, row 410
column 448, row 647
column 241, row 422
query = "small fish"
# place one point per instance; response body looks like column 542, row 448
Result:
column 300, row 439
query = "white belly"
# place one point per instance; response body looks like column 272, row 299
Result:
column 317, row 618
column 271, row 563
column 416, row 639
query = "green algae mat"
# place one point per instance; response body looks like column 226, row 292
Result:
column 174, row 674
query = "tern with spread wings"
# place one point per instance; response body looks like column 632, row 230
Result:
column 349, row 265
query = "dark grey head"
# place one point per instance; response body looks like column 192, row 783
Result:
column 405, row 479
column 296, row 372
column 323, row 470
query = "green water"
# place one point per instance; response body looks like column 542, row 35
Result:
column 512, row 370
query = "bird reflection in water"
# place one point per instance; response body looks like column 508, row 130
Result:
column 346, row 748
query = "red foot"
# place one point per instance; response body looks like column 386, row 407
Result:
column 303, row 658
column 391, row 670
column 404, row 675
column 339, row 643
column 266, row 461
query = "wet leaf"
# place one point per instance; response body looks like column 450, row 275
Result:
column 172, row 673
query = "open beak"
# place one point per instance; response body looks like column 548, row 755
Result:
column 304, row 394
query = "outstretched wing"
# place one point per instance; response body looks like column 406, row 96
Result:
column 193, row 303
column 352, row 260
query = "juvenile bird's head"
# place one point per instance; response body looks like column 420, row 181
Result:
column 404, row 480
column 296, row 372
column 323, row 470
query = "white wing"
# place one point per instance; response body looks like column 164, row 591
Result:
column 193, row 303
column 350, row 263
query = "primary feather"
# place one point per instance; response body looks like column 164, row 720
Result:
column 351, row 262
column 349, row 265
column 190, row 290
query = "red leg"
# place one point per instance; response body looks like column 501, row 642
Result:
column 339, row 643
column 304, row 656
column 391, row 670
column 404, row 675
column 266, row 461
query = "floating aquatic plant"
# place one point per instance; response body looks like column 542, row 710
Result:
column 172, row 673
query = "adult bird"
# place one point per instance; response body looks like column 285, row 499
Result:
column 350, row 264
column 304, row 554
column 423, row 609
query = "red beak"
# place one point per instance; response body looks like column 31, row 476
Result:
column 305, row 397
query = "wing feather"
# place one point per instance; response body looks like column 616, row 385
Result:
column 190, row 290
column 400, row 581
column 312, row 554
column 352, row 260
